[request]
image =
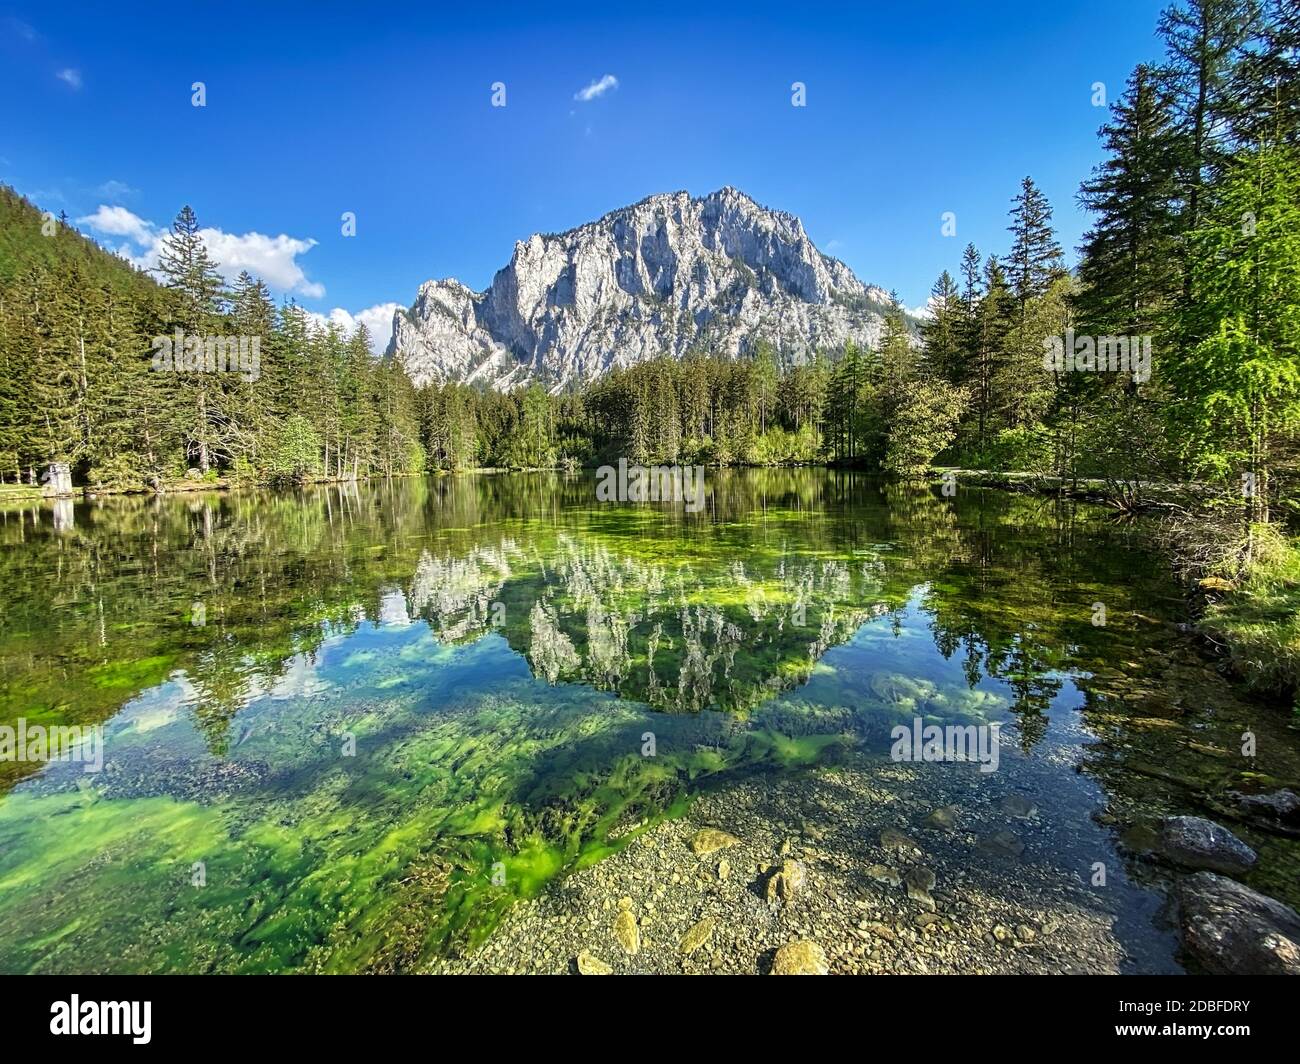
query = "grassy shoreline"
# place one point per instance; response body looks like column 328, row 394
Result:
column 1257, row 625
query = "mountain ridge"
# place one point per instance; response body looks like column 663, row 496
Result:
column 668, row 274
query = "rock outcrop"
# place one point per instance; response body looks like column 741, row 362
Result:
column 1230, row 929
column 1194, row 842
column 668, row 275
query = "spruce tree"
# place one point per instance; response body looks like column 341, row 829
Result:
column 941, row 332
column 1204, row 43
column 1130, row 255
column 1265, row 89
column 191, row 274
column 992, row 323
column 1035, row 257
column 190, row 271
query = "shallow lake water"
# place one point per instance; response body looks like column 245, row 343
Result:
column 346, row 729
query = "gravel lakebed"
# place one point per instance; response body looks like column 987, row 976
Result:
column 865, row 867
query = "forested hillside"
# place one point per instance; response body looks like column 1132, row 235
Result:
column 82, row 380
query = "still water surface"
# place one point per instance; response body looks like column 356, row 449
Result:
column 346, row 728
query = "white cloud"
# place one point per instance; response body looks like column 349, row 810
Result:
column 113, row 189
column 924, row 311
column 596, row 88
column 70, row 76
column 118, row 221
column 378, row 320
column 272, row 258
column 22, row 29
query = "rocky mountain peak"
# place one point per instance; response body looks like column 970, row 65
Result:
column 667, row 275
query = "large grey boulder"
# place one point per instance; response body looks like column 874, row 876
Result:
column 1197, row 843
column 1282, row 807
column 1230, row 929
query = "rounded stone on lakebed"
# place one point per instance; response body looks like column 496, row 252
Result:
column 590, row 964
column 1016, row 805
column 943, row 819
column 709, row 840
column 1197, row 843
column 891, row 839
column 1002, row 844
column 787, row 882
column 1230, row 929
column 800, row 957
column 885, row 874
column 698, row 935
column 626, row 931
column 1282, row 807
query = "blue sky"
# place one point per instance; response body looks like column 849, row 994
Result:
column 913, row 109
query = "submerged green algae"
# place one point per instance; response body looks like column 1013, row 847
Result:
column 407, row 706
